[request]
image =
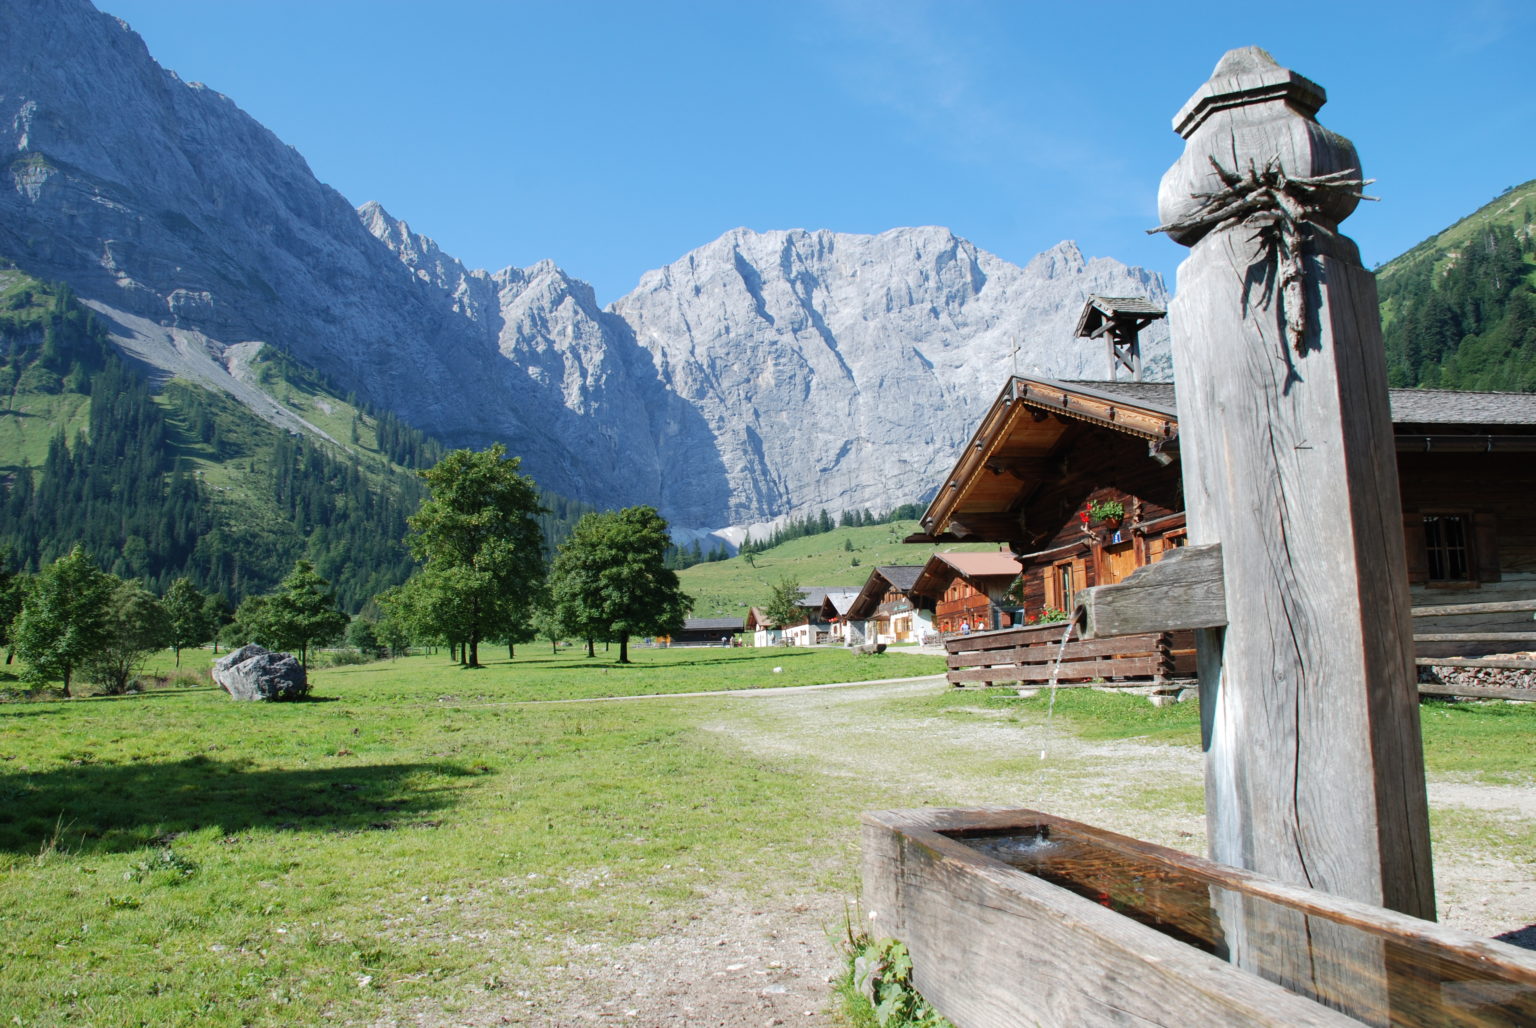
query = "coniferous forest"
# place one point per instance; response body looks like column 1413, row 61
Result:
column 182, row 481
column 1460, row 309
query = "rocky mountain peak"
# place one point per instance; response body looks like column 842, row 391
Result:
column 765, row 374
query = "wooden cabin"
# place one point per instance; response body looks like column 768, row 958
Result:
column 815, row 627
column 709, row 632
column 763, row 631
column 888, row 608
column 969, row 590
column 1047, row 451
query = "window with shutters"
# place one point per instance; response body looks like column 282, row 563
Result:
column 1446, row 547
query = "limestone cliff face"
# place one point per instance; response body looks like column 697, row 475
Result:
column 764, row 374
column 844, row 371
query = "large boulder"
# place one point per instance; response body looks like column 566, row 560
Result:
column 255, row 673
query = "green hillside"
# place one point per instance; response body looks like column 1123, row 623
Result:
column 841, row 557
column 1459, row 309
column 160, row 482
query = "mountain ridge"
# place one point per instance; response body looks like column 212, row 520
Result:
column 196, row 234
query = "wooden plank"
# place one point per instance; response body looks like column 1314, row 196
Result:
column 1482, row 692
column 1075, row 651
column 1111, row 667
column 1501, row 607
column 1183, row 590
column 1497, row 637
column 1506, row 663
column 994, row 946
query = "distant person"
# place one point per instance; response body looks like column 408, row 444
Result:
column 965, row 628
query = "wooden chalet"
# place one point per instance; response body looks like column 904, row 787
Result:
column 763, row 631
column 841, row 630
column 816, row 624
column 1047, row 451
column 969, row 590
column 888, row 608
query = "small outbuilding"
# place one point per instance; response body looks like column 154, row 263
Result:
column 709, row 632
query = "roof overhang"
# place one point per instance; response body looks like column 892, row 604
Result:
column 1020, row 442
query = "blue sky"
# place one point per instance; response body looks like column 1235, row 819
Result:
column 613, row 137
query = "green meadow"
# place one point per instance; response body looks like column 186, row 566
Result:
column 177, row 858
column 421, row 837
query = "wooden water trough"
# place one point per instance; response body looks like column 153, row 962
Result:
column 1318, row 905
column 1015, row 917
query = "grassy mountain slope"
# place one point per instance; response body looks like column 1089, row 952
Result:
column 841, row 557
column 1459, row 309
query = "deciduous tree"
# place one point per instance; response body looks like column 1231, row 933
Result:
column 302, row 612
column 64, row 618
column 610, row 578
column 783, row 606
column 479, row 539
column 188, row 616
column 136, row 626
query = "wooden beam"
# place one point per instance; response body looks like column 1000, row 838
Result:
column 1315, row 771
column 1481, row 692
column 1183, row 590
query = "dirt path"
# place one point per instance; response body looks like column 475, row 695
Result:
column 765, row 959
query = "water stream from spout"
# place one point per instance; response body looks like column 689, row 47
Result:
column 1061, row 651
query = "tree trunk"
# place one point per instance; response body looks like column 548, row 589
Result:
column 66, row 683
column 624, row 648
column 591, row 649
column 178, row 655
column 511, row 651
column 474, row 652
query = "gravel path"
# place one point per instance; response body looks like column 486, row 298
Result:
column 734, row 960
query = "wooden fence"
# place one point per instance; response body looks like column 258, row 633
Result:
column 1028, row 655
column 1461, row 635
column 1451, row 636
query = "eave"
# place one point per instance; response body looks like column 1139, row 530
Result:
column 1018, row 437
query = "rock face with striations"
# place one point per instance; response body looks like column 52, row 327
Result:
column 763, row 375
column 836, row 370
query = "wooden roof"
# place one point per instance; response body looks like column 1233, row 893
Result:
column 1100, row 311
column 943, row 568
column 1027, row 433
column 885, row 576
column 1021, row 440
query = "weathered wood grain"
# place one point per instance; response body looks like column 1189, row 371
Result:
column 1503, row 606
column 1110, row 667
column 1183, row 590
column 1503, row 663
column 1314, row 768
column 993, row 945
column 1481, row 692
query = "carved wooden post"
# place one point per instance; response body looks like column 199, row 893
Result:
column 1314, row 767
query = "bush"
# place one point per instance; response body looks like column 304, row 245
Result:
column 341, row 658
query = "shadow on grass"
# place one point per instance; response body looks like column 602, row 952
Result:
column 117, row 807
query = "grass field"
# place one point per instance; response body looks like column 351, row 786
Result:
column 423, row 838
column 175, row 858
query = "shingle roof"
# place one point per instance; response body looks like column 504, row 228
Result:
column 981, row 565
column 901, row 576
column 713, row 625
column 1409, row 406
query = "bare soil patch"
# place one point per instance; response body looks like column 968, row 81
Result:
column 737, row 958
